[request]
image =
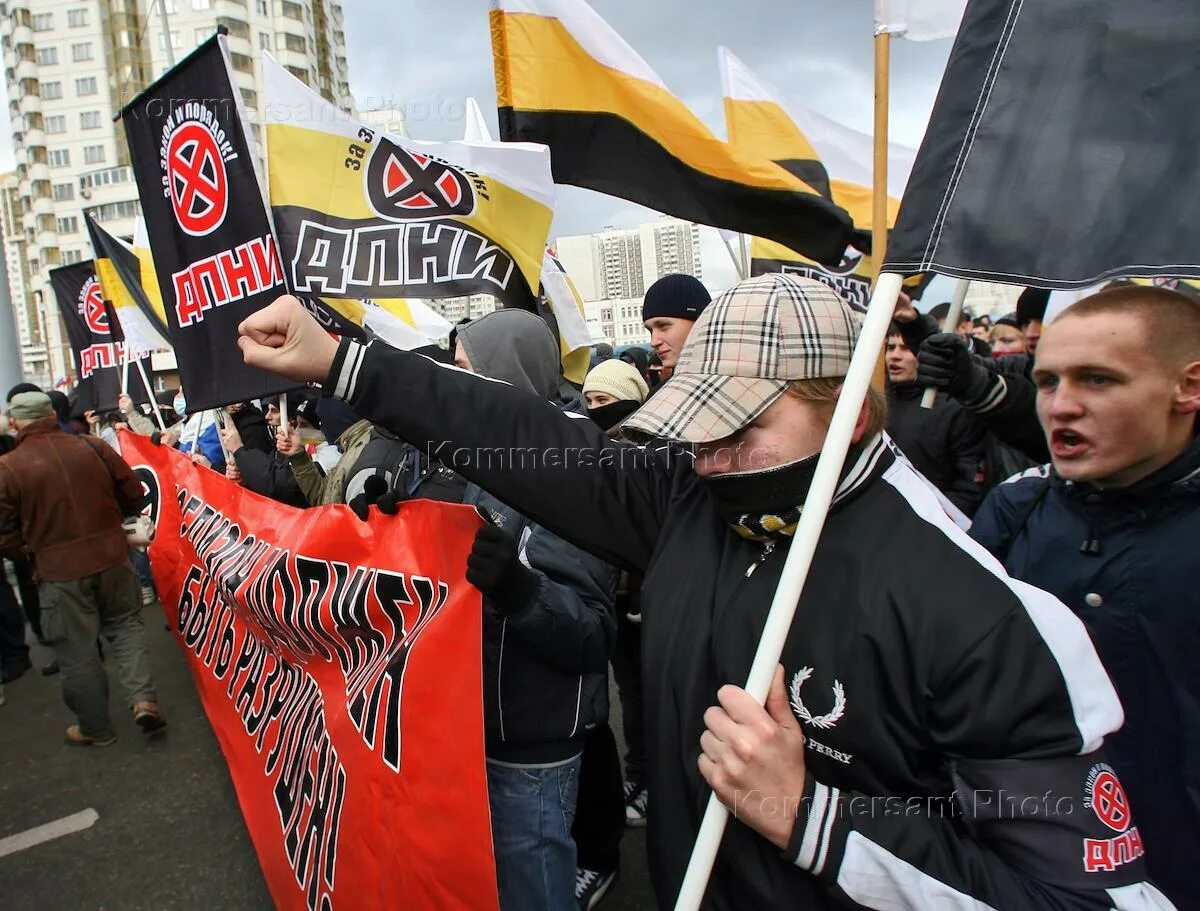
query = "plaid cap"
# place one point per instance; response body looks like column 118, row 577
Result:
column 746, row 347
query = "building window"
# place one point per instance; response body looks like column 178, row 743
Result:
column 237, row 27
column 93, row 154
column 299, row 72
column 241, row 63
column 68, row 225
column 201, row 4
column 89, row 120
column 70, row 257
column 43, row 22
column 77, row 17
column 85, row 86
column 81, row 52
column 292, row 10
column 162, row 40
column 261, row 6
column 60, row 158
column 56, row 123
column 264, row 41
column 47, row 56
column 114, row 210
column 250, row 98
column 64, row 192
column 288, row 41
column 105, row 177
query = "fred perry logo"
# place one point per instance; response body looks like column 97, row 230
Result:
column 196, row 181
column 830, row 718
column 404, row 185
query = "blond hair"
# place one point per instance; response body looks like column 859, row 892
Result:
column 824, row 393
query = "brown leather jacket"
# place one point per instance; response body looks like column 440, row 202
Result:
column 62, row 499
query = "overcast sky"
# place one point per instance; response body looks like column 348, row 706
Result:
column 425, row 58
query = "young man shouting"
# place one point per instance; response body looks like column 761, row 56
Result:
column 1111, row 529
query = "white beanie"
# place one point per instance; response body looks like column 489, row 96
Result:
column 619, row 379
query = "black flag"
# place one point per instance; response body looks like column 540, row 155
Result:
column 95, row 351
column 1062, row 147
column 213, row 248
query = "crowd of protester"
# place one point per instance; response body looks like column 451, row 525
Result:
column 1000, row 602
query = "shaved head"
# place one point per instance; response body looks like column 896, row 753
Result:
column 1170, row 320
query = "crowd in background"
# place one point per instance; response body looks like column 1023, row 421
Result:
column 1067, row 450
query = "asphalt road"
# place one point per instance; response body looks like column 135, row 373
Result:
column 168, row 833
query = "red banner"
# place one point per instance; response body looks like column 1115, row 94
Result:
column 302, row 629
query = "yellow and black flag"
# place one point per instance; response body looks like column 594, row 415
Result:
column 362, row 214
column 834, row 156
column 130, row 289
column 566, row 79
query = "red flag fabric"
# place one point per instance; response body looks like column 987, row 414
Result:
column 303, row 629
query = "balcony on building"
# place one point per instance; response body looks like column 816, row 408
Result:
column 21, row 34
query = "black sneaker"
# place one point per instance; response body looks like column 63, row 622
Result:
column 636, row 801
column 590, row 886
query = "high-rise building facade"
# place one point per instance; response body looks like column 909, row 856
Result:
column 612, row 270
column 70, row 66
column 621, row 263
column 34, row 357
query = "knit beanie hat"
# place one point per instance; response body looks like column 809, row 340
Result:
column 676, row 296
column 619, row 379
column 1032, row 305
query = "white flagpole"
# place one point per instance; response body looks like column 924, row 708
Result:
column 141, row 369
column 222, row 422
column 799, row 558
column 125, row 376
column 953, row 318
column 737, row 260
column 744, row 241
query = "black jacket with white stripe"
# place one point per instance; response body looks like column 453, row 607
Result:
column 954, row 717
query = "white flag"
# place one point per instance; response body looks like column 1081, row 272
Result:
column 476, row 129
column 919, row 20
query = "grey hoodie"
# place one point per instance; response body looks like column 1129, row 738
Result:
column 545, row 667
column 514, row 346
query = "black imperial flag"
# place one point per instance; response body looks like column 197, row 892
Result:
column 1062, row 150
column 213, row 248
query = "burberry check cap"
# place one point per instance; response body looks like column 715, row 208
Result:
column 745, row 349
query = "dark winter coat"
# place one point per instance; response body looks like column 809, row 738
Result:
column 945, row 443
column 1125, row 562
column 910, row 689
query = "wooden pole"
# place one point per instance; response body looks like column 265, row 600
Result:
column 879, row 219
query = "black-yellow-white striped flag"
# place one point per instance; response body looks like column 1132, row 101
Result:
column 566, row 79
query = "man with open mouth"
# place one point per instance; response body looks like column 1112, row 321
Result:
column 1110, row 527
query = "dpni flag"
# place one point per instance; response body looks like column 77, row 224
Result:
column 213, row 248
column 362, row 214
column 97, row 351
column 566, row 79
column 1062, row 147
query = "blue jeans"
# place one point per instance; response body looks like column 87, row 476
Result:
column 141, row 564
column 532, row 811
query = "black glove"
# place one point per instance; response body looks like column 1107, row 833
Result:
column 373, row 488
column 494, row 568
column 945, row 363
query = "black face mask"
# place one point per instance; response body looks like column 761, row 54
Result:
column 763, row 504
column 612, row 414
